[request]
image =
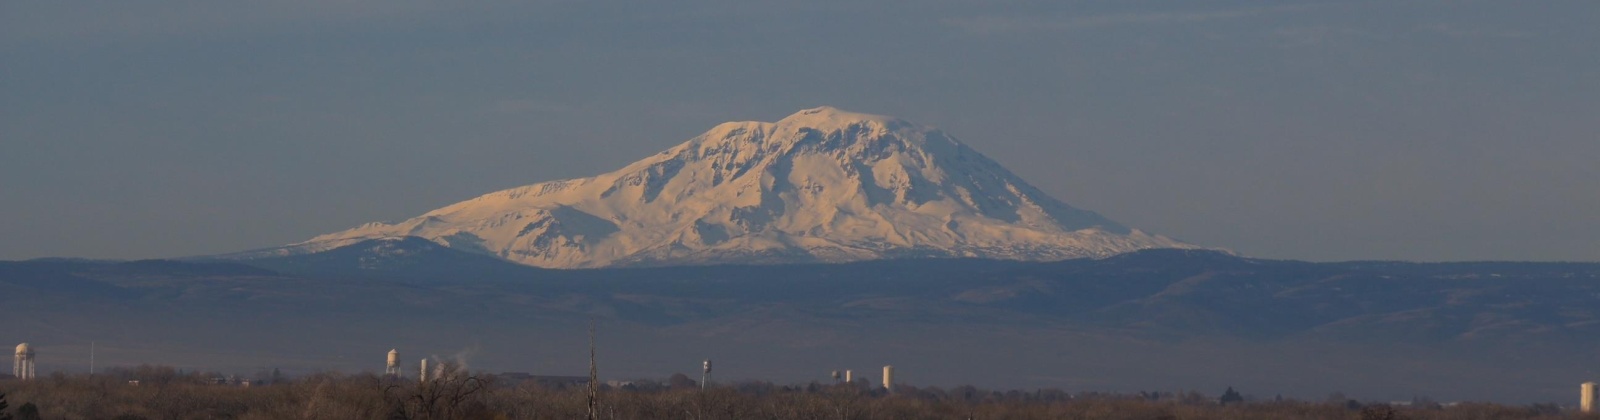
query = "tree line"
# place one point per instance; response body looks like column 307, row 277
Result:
column 164, row 393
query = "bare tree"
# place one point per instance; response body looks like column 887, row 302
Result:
column 594, row 378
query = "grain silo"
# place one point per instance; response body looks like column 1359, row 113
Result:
column 888, row 378
column 1586, row 398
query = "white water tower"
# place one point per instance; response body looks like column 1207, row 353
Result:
column 392, row 366
column 22, row 367
column 705, row 376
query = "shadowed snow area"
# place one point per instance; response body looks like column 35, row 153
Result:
column 820, row 185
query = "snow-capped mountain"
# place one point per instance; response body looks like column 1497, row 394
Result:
column 820, row 185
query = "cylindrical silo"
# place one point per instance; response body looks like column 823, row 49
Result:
column 888, row 378
column 1587, row 397
column 847, row 376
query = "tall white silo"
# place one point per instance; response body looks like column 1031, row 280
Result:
column 1586, row 398
column 888, row 378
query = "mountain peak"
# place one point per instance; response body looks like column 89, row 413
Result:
column 827, row 117
column 822, row 184
column 825, row 127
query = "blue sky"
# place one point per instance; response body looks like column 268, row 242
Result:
column 1425, row 130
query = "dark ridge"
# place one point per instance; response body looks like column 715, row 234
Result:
column 409, row 259
column 32, row 279
column 73, row 260
column 185, row 268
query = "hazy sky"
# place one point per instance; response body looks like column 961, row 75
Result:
column 1429, row 130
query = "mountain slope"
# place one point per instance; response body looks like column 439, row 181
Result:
column 408, row 259
column 820, row 185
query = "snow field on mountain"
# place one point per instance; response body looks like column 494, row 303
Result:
column 820, row 185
